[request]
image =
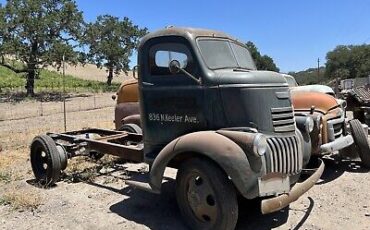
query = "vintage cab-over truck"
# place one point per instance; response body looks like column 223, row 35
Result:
column 205, row 110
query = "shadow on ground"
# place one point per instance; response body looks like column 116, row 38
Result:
column 159, row 212
column 335, row 166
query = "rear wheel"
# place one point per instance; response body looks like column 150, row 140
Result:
column 45, row 160
column 205, row 196
column 360, row 139
column 131, row 128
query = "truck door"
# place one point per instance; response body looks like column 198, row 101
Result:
column 171, row 104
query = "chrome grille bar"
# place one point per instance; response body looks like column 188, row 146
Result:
column 284, row 156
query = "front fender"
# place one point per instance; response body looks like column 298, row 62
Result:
column 225, row 152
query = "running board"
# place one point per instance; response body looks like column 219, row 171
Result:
column 142, row 186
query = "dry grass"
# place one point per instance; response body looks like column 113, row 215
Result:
column 21, row 198
column 91, row 72
column 15, row 167
column 11, row 165
column 87, row 169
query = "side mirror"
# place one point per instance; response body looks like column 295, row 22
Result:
column 134, row 72
column 174, row 66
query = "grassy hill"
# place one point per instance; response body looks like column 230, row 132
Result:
column 51, row 81
column 309, row 76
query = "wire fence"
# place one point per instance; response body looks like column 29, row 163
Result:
column 21, row 122
column 81, row 102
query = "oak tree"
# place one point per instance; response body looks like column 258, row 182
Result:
column 111, row 42
column 38, row 33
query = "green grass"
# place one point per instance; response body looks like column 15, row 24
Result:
column 5, row 177
column 50, row 81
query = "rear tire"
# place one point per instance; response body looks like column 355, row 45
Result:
column 360, row 139
column 45, row 160
column 131, row 128
column 205, row 196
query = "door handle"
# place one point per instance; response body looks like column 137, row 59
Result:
column 147, row 83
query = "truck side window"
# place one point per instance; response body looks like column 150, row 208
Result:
column 162, row 54
column 163, row 58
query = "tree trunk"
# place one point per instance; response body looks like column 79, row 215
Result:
column 31, row 70
column 110, row 76
column 31, row 80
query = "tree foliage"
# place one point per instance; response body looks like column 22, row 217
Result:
column 111, row 42
column 38, row 33
column 309, row 76
column 263, row 62
column 351, row 61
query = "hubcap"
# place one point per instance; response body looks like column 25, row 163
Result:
column 201, row 198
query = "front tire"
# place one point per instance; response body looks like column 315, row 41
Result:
column 360, row 139
column 206, row 196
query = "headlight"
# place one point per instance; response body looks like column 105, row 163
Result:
column 310, row 124
column 260, row 145
column 343, row 103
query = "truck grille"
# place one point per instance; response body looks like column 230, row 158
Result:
column 283, row 119
column 338, row 130
column 284, row 157
column 335, row 128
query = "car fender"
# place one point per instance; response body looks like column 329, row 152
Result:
column 222, row 150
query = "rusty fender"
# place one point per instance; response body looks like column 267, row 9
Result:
column 132, row 119
column 211, row 144
column 123, row 110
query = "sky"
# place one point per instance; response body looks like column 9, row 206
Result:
column 294, row 33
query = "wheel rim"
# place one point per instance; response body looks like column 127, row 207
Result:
column 41, row 162
column 201, row 198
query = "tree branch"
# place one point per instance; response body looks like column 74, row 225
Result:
column 13, row 69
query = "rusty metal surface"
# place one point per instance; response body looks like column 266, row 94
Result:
column 128, row 92
column 361, row 94
column 305, row 100
column 324, row 121
column 132, row 119
column 123, row 110
column 110, row 142
column 276, row 203
column 127, row 152
column 225, row 152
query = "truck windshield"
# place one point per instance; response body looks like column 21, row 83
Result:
column 291, row 81
column 222, row 54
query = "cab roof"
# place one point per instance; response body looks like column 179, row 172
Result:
column 187, row 32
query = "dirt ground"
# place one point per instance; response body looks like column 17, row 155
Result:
column 94, row 195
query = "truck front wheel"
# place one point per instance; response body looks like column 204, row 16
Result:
column 206, row 196
column 360, row 139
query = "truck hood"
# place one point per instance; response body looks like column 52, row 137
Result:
column 252, row 78
column 314, row 88
column 303, row 101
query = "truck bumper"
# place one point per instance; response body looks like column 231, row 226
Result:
column 276, row 203
column 337, row 144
